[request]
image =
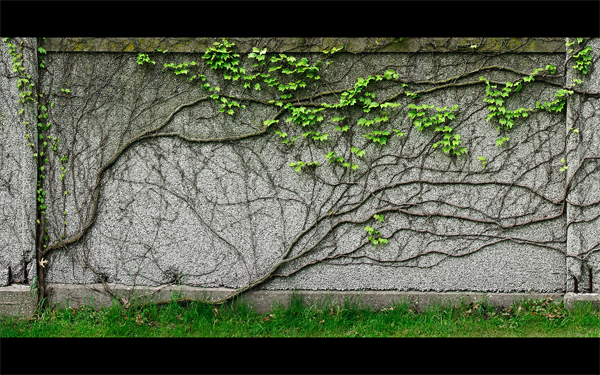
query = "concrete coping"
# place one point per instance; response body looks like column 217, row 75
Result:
column 19, row 300
column 289, row 45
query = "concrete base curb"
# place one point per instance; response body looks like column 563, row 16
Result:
column 18, row 300
column 571, row 299
column 265, row 300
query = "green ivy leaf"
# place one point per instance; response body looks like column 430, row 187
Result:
column 389, row 74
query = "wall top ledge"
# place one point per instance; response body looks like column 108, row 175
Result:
column 352, row 45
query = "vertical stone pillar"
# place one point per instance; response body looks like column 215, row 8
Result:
column 18, row 174
column 583, row 141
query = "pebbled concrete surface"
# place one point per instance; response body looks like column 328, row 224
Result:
column 583, row 211
column 17, row 172
column 18, row 300
column 220, row 215
column 572, row 299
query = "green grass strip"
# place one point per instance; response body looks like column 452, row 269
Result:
column 540, row 318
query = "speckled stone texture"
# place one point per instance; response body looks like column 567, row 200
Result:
column 17, row 172
column 583, row 210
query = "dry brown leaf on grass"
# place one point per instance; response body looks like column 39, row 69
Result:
column 125, row 302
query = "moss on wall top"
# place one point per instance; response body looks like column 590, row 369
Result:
column 353, row 45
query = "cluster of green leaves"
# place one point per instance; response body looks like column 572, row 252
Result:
column 333, row 157
column 368, row 102
column 43, row 127
column 349, row 97
column 569, row 44
column 222, row 57
column 299, row 66
column 364, row 122
column 26, row 94
column 308, row 117
column 558, row 104
column 483, row 161
column 583, row 59
column 41, row 194
column 408, row 93
column 284, row 135
column 41, row 55
column 333, row 50
column 355, row 150
column 217, row 57
column 294, row 66
column 340, row 127
column 496, row 99
column 375, row 235
column 500, row 141
column 299, row 164
column 259, row 55
column 183, row 68
column 316, row 135
column 45, row 142
column 303, row 115
column 23, row 82
column 227, row 104
column 144, row 58
column 378, row 136
column 565, row 167
column 421, row 122
column 450, row 142
column 17, row 61
column 506, row 117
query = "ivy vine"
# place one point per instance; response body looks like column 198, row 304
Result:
column 288, row 75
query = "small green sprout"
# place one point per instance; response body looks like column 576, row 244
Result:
column 483, row 161
column 565, row 167
column 375, row 240
column 500, row 141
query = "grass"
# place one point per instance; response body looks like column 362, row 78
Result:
column 540, row 318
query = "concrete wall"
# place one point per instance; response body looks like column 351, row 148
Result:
column 189, row 204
